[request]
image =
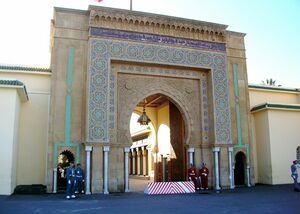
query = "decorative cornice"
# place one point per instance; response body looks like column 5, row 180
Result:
column 273, row 88
column 154, row 23
column 23, row 68
column 274, row 106
column 144, row 37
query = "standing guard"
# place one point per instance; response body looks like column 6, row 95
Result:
column 203, row 174
column 71, row 181
column 192, row 175
column 79, row 179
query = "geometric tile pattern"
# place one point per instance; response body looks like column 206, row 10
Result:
column 101, row 83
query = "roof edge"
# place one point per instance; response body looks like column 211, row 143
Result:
column 20, row 86
column 275, row 106
column 273, row 88
column 24, row 68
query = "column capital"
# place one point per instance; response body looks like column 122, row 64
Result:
column 55, row 169
column 105, row 148
column 230, row 149
column 126, row 149
column 192, row 150
column 216, row 149
column 88, row 148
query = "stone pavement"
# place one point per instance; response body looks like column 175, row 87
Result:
column 258, row 199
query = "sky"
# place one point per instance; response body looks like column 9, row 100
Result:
column 272, row 27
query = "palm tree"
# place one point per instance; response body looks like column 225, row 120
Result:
column 269, row 82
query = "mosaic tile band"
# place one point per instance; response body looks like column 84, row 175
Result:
column 145, row 37
column 100, row 88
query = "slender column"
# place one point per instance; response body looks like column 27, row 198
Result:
column 248, row 176
column 138, row 161
column 105, row 180
column 126, row 180
column 231, row 176
column 144, row 161
column 216, row 151
column 149, row 161
column 54, row 180
column 88, row 150
column 130, row 162
column 164, row 167
column 133, row 161
column 233, row 181
column 191, row 156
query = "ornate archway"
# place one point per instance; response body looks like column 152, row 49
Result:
column 133, row 88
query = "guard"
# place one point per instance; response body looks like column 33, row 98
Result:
column 71, row 181
column 192, row 175
column 203, row 174
column 79, row 179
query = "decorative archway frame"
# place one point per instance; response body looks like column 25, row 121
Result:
column 101, row 94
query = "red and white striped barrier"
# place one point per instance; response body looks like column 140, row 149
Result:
column 179, row 187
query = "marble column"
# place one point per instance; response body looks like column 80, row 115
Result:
column 144, row 160
column 88, row 150
column 54, row 180
column 230, row 167
column 133, row 153
column 248, row 176
column 191, row 156
column 216, row 151
column 138, row 154
column 105, row 179
column 126, row 180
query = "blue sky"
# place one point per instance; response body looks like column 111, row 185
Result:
column 272, row 28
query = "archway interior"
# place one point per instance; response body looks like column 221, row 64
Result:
column 239, row 169
column 64, row 159
column 162, row 139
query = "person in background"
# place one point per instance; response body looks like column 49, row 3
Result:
column 203, row 173
column 294, row 175
column 71, row 181
column 79, row 179
column 192, row 175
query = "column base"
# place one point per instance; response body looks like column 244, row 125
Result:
column 88, row 193
column 105, row 193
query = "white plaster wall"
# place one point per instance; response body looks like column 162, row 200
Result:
column 33, row 121
column 9, row 114
column 33, row 139
column 264, row 167
column 34, row 81
column 263, row 96
column 285, row 138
